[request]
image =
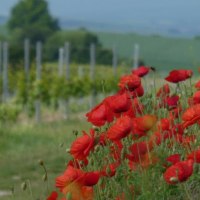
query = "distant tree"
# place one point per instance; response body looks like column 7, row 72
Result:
column 31, row 19
column 80, row 41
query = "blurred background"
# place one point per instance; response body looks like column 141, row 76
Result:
column 58, row 58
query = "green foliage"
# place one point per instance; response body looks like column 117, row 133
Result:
column 53, row 88
column 31, row 18
column 9, row 112
column 80, row 41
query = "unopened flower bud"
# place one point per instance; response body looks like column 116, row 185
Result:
column 41, row 162
column 24, row 186
column 68, row 150
column 75, row 132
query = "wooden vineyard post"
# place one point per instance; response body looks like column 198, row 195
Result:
column 67, row 59
column 60, row 74
column 27, row 65
column 38, row 78
column 5, row 72
column 60, row 61
column 27, row 59
column 136, row 56
column 80, row 75
column 67, row 64
column 92, row 73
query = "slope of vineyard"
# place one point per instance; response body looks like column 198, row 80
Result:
column 164, row 53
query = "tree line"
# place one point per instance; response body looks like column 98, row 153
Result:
column 31, row 19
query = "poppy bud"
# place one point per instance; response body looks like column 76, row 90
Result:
column 41, row 162
column 68, row 150
column 24, row 186
column 75, row 132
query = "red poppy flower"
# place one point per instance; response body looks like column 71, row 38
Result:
column 120, row 129
column 175, row 112
column 119, row 102
column 145, row 161
column 179, row 172
column 53, row 196
column 144, row 123
column 176, row 76
column 138, row 92
column 172, row 101
column 141, row 71
column 196, row 97
column 115, row 150
column 197, row 85
column 82, row 146
column 191, row 115
column 173, row 159
column 195, row 156
column 131, row 112
column 137, row 150
column 110, row 169
column 164, row 124
column 163, row 91
column 100, row 114
column 78, row 183
column 136, row 107
column 70, row 175
column 129, row 82
column 91, row 178
column 177, row 129
column 155, row 139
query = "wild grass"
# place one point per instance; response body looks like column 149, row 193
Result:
column 21, row 148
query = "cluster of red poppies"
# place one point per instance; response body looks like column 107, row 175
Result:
column 125, row 134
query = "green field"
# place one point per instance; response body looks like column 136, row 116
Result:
column 161, row 52
column 23, row 145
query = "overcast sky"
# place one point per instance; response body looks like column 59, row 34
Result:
column 120, row 10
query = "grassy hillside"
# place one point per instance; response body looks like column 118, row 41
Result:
column 165, row 53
